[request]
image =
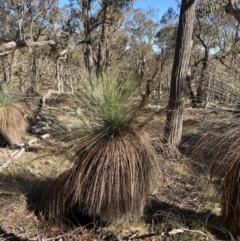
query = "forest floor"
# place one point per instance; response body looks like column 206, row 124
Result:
column 184, row 203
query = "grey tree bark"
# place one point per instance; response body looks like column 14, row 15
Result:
column 176, row 104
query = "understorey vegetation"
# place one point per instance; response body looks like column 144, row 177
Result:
column 116, row 124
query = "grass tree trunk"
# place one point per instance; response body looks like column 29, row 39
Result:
column 176, row 104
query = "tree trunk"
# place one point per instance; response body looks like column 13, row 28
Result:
column 35, row 76
column 192, row 95
column 202, row 85
column 147, row 93
column 88, row 52
column 163, row 58
column 60, row 56
column 176, row 104
column 11, row 63
column 4, row 70
column 201, row 90
column 102, row 43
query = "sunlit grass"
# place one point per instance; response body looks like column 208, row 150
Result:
column 5, row 98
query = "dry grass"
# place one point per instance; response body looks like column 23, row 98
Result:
column 181, row 190
column 179, row 193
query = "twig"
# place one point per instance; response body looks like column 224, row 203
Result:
column 134, row 235
column 194, row 231
column 4, row 165
column 182, row 230
column 18, row 153
column 173, row 232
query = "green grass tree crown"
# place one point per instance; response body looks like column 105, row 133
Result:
column 110, row 103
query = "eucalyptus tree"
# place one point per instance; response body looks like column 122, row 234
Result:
column 165, row 40
column 25, row 21
column 215, row 40
column 229, row 43
column 144, row 57
column 141, row 28
column 96, row 21
column 176, row 104
column 205, row 37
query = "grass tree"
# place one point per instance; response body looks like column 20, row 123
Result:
column 218, row 143
column 112, row 158
column 12, row 122
column 221, row 146
column 228, row 150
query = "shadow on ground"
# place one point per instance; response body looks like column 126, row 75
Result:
column 160, row 217
column 9, row 236
column 33, row 189
column 163, row 218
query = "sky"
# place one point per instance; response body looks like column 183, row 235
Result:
column 161, row 5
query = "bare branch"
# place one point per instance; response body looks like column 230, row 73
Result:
column 233, row 9
column 23, row 43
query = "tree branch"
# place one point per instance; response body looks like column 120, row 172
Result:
column 23, row 43
column 233, row 9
